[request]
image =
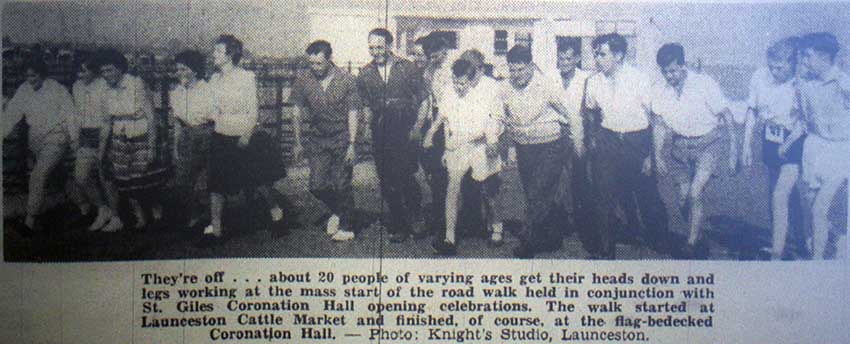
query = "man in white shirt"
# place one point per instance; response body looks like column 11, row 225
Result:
column 472, row 119
column 48, row 109
column 620, row 151
column 694, row 110
column 773, row 102
column 825, row 103
column 574, row 83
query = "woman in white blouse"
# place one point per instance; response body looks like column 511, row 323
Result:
column 88, row 138
column 234, row 111
column 191, row 105
column 133, row 154
column 47, row 108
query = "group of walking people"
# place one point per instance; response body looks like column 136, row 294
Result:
column 608, row 133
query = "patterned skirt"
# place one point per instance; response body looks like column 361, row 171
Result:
column 133, row 164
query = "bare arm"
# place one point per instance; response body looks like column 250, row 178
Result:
column 749, row 129
column 659, row 136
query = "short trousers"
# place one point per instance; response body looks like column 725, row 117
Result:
column 472, row 156
column 687, row 151
column 770, row 148
column 825, row 160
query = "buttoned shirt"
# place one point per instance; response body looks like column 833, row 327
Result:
column 572, row 97
column 234, row 102
column 328, row 108
column 88, row 100
column 773, row 101
column 193, row 105
column 695, row 111
column 826, row 105
column 48, row 110
column 530, row 117
column 622, row 98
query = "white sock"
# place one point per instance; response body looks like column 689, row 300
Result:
column 333, row 225
column 277, row 214
column 104, row 214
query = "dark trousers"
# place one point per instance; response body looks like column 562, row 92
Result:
column 438, row 180
column 540, row 167
column 396, row 162
column 192, row 163
column 616, row 178
column 330, row 181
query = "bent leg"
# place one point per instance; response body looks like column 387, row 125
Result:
column 785, row 184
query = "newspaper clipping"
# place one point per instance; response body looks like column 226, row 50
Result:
column 424, row 171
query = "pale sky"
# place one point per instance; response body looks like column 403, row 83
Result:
column 717, row 33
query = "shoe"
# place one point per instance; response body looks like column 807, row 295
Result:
column 398, row 238
column 342, row 235
column 444, row 248
column 333, row 225
column 113, row 226
column 524, row 251
column 101, row 220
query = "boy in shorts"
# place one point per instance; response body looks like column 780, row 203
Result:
column 470, row 113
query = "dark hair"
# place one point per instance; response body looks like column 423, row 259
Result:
column 821, row 41
column 106, row 57
column 465, row 68
column 784, row 50
column 194, row 60
column 568, row 43
column 388, row 37
column 616, row 43
column 670, row 52
column 320, row 47
column 421, row 41
column 38, row 66
column 519, row 54
column 88, row 61
column 473, row 56
column 433, row 43
column 232, row 47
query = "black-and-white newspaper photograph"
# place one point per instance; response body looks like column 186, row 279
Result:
column 428, row 129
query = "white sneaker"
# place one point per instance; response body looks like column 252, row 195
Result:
column 103, row 217
column 342, row 235
column 114, row 225
column 333, row 225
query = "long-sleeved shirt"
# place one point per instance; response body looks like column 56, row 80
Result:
column 328, row 107
column 573, row 96
column 129, row 104
column 193, row 105
column 48, row 110
column 88, row 99
column 473, row 117
column 530, row 117
column 234, row 102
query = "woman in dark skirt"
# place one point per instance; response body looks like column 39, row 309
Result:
column 190, row 104
column 242, row 159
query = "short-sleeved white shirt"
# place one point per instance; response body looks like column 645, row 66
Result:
column 694, row 112
column 772, row 101
column 573, row 96
column 622, row 98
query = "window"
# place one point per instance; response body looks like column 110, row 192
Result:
column 523, row 39
column 500, row 42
